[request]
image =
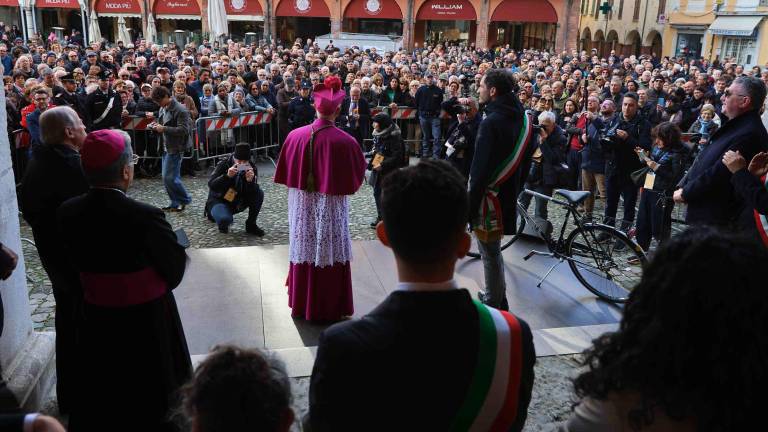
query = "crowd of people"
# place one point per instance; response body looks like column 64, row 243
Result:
column 487, row 124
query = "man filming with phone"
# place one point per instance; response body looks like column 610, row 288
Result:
column 233, row 187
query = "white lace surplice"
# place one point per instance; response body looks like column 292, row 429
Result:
column 318, row 228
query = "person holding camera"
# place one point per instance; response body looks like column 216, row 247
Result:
column 592, row 155
column 460, row 145
column 232, row 189
column 665, row 168
column 630, row 132
column 548, row 167
column 388, row 154
column 175, row 126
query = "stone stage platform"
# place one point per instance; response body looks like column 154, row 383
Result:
column 238, row 295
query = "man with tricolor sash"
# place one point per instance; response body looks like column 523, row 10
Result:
column 751, row 184
column 502, row 159
column 429, row 357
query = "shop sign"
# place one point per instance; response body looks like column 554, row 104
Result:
column 373, row 7
column 118, row 6
column 179, row 7
column 71, row 4
column 243, row 7
column 302, row 6
column 447, row 10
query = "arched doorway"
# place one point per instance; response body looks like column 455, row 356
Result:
column 302, row 19
column 524, row 24
column 373, row 16
column 445, row 20
column 653, row 43
column 244, row 17
column 599, row 43
column 586, row 40
column 109, row 13
column 611, row 42
column 632, row 44
column 178, row 21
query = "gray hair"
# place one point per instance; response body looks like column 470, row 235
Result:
column 112, row 173
column 53, row 124
column 547, row 115
column 755, row 89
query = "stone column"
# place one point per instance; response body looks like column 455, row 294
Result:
column 204, row 19
column 481, row 37
column 30, row 19
column 335, row 26
column 26, row 356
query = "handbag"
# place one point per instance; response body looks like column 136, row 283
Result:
column 638, row 176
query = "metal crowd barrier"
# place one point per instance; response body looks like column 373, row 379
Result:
column 216, row 136
column 407, row 120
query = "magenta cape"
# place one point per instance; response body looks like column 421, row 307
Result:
column 339, row 164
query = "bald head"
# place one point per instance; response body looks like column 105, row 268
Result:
column 62, row 126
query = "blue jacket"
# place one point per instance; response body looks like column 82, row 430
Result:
column 707, row 187
column 33, row 125
column 7, row 65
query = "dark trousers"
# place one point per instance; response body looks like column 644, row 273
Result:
column 574, row 169
column 620, row 186
column 66, row 346
column 654, row 218
column 377, row 196
column 223, row 214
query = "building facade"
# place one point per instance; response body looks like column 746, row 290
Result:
column 718, row 29
column 544, row 24
column 629, row 27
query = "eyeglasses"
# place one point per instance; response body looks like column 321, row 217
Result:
column 134, row 159
column 728, row 94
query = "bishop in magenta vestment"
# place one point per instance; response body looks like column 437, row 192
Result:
column 322, row 166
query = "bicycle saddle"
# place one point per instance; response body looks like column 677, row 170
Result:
column 573, row 197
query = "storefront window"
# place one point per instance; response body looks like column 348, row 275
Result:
column 439, row 31
column 741, row 49
column 688, row 45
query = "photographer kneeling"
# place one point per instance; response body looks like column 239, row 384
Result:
column 548, row 166
column 233, row 187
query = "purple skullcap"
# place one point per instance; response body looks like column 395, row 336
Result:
column 101, row 149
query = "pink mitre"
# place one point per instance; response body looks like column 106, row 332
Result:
column 328, row 96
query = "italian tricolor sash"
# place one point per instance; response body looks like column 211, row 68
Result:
column 492, row 227
column 491, row 402
column 761, row 220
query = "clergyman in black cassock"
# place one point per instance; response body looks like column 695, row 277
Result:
column 134, row 355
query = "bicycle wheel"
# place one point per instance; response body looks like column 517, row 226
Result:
column 605, row 261
column 506, row 241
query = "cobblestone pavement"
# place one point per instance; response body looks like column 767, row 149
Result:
column 204, row 234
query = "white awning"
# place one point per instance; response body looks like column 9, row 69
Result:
column 735, row 25
column 245, row 17
column 179, row 17
column 118, row 15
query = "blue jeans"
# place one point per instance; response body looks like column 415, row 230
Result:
column 223, row 214
column 172, row 180
column 493, row 268
column 430, row 130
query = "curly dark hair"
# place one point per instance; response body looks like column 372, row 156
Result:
column 237, row 389
column 692, row 343
column 669, row 134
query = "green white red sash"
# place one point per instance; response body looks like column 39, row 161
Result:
column 761, row 220
column 491, row 403
column 492, row 226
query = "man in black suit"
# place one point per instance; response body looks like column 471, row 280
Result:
column 707, row 187
column 133, row 355
column 355, row 115
column 419, row 349
column 52, row 177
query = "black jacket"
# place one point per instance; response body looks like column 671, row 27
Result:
column 220, row 183
column 620, row 154
column 553, row 153
column 389, row 144
column 97, row 103
column 428, row 100
column 462, row 138
column 53, row 176
column 418, row 351
column 755, row 196
column 500, row 127
column 707, row 187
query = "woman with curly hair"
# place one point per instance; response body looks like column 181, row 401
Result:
column 691, row 352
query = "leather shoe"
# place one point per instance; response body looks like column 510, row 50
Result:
column 252, row 228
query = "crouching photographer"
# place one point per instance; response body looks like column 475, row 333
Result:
column 548, row 169
column 233, row 187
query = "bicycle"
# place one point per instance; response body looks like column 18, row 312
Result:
column 591, row 250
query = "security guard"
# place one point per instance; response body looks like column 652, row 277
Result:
column 301, row 110
column 67, row 96
column 103, row 106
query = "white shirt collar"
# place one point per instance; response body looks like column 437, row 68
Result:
column 425, row 286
